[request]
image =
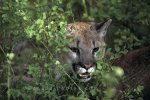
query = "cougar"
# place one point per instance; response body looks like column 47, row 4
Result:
column 87, row 40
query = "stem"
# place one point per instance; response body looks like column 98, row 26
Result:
column 8, row 81
column 85, row 8
column 73, row 80
column 9, row 69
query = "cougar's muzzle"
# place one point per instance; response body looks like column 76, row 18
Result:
column 84, row 71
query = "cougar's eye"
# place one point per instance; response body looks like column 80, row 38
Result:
column 74, row 49
column 95, row 49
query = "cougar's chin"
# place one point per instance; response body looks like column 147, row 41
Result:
column 83, row 77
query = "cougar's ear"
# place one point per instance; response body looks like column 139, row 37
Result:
column 101, row 28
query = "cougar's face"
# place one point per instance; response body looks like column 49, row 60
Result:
column 84, row 56
column 87, row 42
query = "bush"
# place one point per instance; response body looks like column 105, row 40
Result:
column 43, row 23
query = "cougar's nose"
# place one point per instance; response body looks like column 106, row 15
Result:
column 87, row 66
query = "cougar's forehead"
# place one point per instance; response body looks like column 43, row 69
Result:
column 81, row 29
column 84, row 33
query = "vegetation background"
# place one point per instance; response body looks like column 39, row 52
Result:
column 42, row 23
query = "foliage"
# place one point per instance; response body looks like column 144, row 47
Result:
column 43, row 23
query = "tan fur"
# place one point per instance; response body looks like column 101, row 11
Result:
column 83, row 30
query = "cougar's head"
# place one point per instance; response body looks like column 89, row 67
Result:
column 87, row 42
